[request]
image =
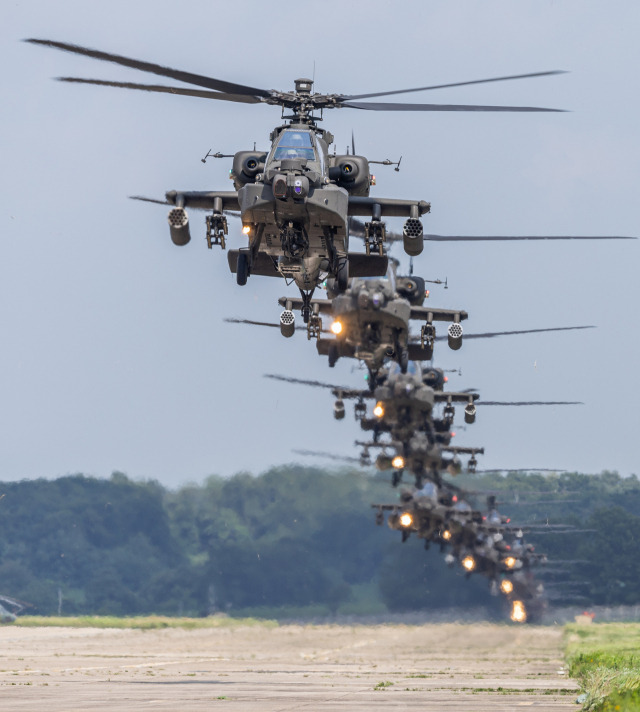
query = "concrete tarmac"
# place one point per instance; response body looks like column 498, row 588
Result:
column 477, row 667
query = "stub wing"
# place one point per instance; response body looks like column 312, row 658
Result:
column 455, row 397
column 325, row 306
column 224, row 199
column 430, row 314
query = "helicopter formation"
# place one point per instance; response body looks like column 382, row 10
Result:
column 299, row 205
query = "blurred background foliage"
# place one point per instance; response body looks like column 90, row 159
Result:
column 293, row 541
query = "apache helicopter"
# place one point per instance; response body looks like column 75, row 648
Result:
column 424, row 455
column 371, row 321
column 481, row 543
column 405, row 401
column 294, row 200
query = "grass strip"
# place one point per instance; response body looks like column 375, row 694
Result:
column 605, row 660
column 139, row 622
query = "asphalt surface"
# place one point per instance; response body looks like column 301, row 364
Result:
column 473, row 667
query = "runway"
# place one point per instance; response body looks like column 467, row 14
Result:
column 436, row 667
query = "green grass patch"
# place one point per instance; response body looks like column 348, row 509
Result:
column 605, row 660
column 139, row 622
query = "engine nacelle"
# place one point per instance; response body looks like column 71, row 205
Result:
column 351, row 173
column 179, row 226
column 454, row 336
column 412, row 237
column 434, row 377
column 338, row 409
column 412, row 289
column 287, row 323
column 470, row 414
column 246, row 166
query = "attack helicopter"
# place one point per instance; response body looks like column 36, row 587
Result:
column 294, row 200
column 404, row 401
column 426, row 455
column 371, row 320
column 481, row 542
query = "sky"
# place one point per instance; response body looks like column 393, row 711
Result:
column 114, row 351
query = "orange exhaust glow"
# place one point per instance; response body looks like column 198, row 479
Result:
column 518, row 612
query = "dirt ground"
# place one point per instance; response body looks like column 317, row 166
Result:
column 428, row 667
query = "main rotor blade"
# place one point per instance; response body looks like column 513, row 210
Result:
column 328, row 455
column 233, row 320
column 481, row 402
column 150, row 200
column 187, row 77
column 159, row 89
column 456, row 84
column 356, row 228
column 480, row 238
column 304, row 382
column 492, row 334
column 370, row 106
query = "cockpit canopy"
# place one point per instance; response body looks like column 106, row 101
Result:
column 295, row 144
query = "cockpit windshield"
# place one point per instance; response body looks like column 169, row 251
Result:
column 413, row 368
column 295, row 144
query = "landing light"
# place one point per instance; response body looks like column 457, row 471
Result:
column 246, row 229
column 406, row 519
column 446, row 535
column 518, row 612
column 469, row 563
column 510, row 562
column 378, row 411
column 336, row 327
column 506, row 586
column 398, row 462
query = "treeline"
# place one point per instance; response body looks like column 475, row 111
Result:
column 295, row 538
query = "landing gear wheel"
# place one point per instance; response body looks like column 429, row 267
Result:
column 342, row 274
column 333, row 355
column 403, row 360
column 396, row 477
column 242, row 269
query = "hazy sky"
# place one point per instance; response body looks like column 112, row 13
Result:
column 114, row 354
